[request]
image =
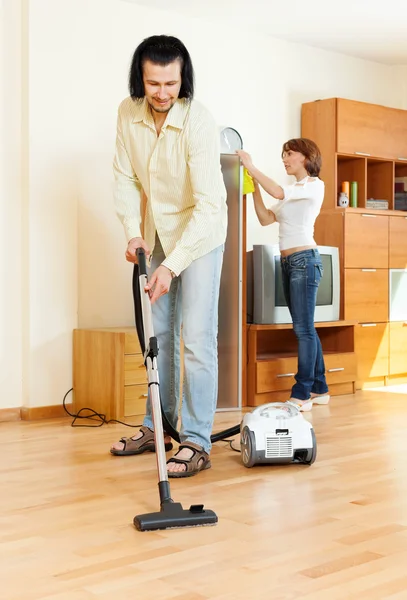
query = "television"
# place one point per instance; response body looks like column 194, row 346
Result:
column 266, row 299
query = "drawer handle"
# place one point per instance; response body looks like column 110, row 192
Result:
column 286, row 375
column 144, row 396
column 368, row 270
column 362, row 153
column 369, row 324
column 370, row 216
column 334, row 370
column 401, row 158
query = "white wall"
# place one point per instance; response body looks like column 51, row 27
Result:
column 79, row 57
column 11, row 203
column 400, row 75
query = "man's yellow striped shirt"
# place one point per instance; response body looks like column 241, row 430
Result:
column 180, row 174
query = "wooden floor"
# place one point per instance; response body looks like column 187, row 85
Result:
column 335, row 530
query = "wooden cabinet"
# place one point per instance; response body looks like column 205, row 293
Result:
column 272, row 360
column 366, row 241
column 366, row 295
column 359, row 142
column 367, row 144
column 398, row 243
column 398, row 348
column 108, row 372
column 372, row 349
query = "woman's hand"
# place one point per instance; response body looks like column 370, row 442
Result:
column 246, row 159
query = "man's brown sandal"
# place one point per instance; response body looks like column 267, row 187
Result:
column 145, row 443
column 199, row 461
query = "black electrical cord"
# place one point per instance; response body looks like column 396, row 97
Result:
column 92, row 416
column 230, row 442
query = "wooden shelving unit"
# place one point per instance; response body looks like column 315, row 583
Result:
column 366, row 143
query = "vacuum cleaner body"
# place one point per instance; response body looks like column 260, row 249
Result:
column 277, row 433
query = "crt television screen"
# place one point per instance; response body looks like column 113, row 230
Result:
column 325, row 291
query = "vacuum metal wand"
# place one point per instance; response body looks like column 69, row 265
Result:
column 171, row 513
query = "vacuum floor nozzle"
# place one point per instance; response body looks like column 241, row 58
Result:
column 172, row 516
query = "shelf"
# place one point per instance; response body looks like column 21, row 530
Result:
column 277, row 326
column 265, row 356
column 380, row 181
column 352, row 168
column 372, row 211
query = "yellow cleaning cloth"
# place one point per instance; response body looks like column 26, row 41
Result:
column 248, row 185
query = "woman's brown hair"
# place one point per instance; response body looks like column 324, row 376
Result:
column 313, row 159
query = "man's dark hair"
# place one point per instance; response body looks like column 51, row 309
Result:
column 161, row 50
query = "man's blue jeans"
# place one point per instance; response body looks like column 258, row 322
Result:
column 193, row 302
column 302, row 273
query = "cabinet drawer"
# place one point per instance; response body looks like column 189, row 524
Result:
column 366, row 241
column 135, row 397
column 340, row 368
column 398, row 243
column 134, row 369
column 366, row 295
column 276, row 374
column 372, row 349
column 131, row 343
column 398, row 348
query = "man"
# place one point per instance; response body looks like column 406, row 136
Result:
column 168, row 152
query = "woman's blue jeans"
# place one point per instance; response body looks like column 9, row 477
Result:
column 302, row 273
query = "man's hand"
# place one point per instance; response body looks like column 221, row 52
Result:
column 132, row 246
column 159, row 284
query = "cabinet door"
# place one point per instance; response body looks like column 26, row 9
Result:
column 398, row 243
column 366, row 240
column 397, row 133
column 363, row 129
column 398, row 348
column 366, row 295
column 372, row 349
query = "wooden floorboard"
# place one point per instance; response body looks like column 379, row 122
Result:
column 334, row 531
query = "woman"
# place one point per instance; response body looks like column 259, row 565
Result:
column 299, row 206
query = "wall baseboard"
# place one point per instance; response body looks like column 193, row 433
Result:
column 10, row 414
column 33, row 414
column 44, row 412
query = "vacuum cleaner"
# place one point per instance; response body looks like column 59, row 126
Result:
column 171, row 514
column 277, row 433
column 272, row 433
